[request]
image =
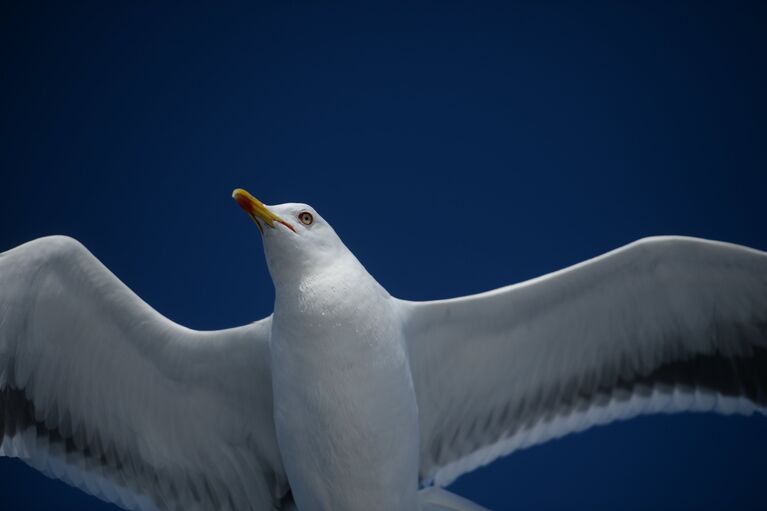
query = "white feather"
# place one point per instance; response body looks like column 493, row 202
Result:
column 149, row 405
column 519, row 365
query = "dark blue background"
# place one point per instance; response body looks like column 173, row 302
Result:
column 455, row 148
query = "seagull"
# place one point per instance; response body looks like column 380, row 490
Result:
column 347, row 398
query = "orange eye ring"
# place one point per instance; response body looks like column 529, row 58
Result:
column 305, row 218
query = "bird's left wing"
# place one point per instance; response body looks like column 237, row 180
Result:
column 664, row 324
column 100, row 390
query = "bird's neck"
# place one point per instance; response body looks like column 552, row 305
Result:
column 326, row 293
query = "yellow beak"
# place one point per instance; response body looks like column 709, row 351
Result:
column 257, row 211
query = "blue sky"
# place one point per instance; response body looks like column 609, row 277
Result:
column 455, row 148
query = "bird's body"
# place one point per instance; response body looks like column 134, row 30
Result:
column 350, row 435
column 347, row 398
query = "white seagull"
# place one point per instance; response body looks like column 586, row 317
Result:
column 347, row 398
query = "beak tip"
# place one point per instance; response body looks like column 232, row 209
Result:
column 257, row 210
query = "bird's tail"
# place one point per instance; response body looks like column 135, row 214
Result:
column 437, row 499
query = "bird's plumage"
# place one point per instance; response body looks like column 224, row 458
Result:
column 664, row 324
column 100, row 390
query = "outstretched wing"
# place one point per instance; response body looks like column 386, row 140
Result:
column 100, row 390
column 661, row 325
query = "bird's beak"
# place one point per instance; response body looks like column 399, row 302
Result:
column 257, row 210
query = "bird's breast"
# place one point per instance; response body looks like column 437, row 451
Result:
column 344, row 402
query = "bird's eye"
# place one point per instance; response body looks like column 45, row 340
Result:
column 306, row 218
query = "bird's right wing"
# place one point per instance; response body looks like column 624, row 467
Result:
column 100, row 390
column 663, row 324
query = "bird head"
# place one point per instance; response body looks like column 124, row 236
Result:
column 297, row 240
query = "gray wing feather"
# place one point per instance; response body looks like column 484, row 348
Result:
column 662, row 325
column 100, row 390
